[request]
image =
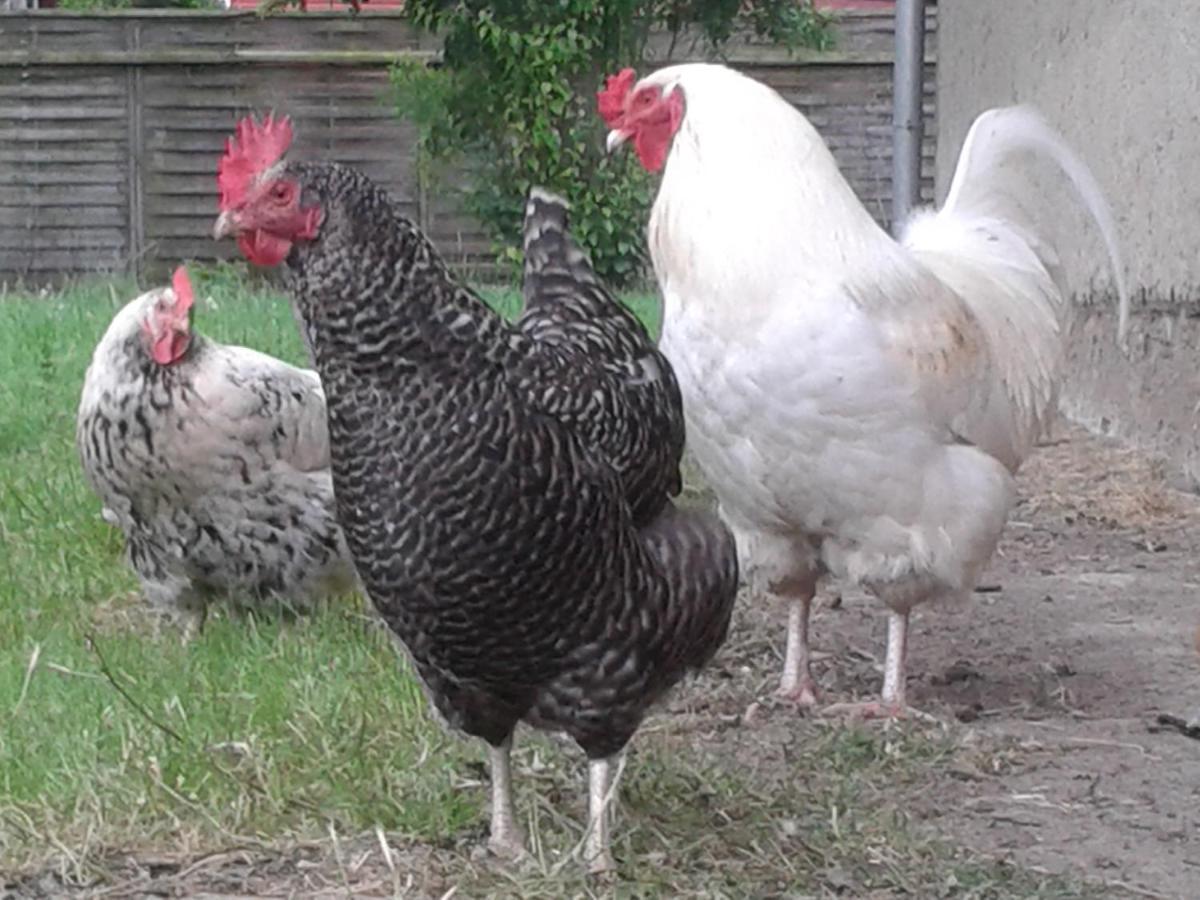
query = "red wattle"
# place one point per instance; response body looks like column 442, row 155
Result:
column 170, row 347
column 264, row 249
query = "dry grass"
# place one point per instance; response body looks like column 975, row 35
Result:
column 1103, row 482
column 718, row 814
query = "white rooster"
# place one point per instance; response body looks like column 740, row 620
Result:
column 214, row 462
column 859, row 404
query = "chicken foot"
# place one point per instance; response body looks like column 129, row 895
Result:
column 892, row 702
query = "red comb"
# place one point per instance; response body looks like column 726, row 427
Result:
column 252, row 150
column 183, row 290
column 611, row 100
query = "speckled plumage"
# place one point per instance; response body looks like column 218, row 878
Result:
column 604, row 375
column 484, row 485
column 215, row 467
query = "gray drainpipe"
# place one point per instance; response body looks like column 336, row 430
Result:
column 908, row 79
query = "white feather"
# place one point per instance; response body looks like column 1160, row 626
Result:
column 983, row 245
column 846, row 392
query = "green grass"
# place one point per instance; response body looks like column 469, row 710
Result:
column 309, row 722
column 274, row 728
column 118, row 739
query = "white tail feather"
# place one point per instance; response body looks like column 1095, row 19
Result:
column 997, row 134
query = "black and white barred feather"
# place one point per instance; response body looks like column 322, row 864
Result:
column 489, row 511
column 605, row 377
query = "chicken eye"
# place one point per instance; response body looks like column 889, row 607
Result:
column 280, row 191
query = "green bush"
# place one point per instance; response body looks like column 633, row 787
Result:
column 513, row 101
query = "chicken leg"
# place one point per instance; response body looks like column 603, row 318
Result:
column 894, row 676
column 597, row 848
column 797, row 684
column 891, row 704
column 507, row 840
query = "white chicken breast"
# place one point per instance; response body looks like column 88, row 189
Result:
column 214, row 462
column 859, row 404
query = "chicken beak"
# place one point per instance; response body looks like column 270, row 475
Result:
column 226, row 225
column 616, row 138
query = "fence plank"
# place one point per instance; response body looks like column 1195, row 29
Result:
column 111, row 124
column 136, row 151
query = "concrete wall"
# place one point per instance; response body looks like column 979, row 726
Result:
column 1121, row 80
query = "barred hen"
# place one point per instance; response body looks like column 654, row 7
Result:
column 487, row 474
column 214, row 462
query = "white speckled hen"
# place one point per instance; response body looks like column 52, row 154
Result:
column 503, row 489
column 213, row 460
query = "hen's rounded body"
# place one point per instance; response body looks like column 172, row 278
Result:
column 215, row 468
column 492, row 530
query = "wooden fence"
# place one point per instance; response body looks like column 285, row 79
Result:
column 111, row 124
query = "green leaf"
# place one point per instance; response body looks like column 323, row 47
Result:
column 514, row 101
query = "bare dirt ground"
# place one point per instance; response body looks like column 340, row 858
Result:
column 1083, row 633
column 1049, row 686
column 1065, row 670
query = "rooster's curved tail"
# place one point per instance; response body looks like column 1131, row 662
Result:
column 984, row 186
